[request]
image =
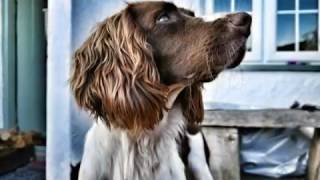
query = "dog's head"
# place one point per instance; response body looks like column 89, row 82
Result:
column 123, row 71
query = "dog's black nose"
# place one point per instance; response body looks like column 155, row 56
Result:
column 241, row 20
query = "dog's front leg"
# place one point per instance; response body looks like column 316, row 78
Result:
column 196, row 158
column 94, row 164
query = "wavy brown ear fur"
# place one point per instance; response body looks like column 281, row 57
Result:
column 192, row 104
column 115, row 77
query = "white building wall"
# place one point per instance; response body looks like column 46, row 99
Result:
column 58, row 93
column 264, row 89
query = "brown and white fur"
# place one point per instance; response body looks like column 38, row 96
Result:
column 140, row 75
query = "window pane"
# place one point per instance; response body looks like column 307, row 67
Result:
column 202, row 7
column 286, row 5
column 243, row 5
column 308, row 32
column 308, row 4
column 222, row 5
column 285, row 33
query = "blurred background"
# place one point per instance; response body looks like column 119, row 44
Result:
column 38, row 38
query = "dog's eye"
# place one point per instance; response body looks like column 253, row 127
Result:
column 163, row 18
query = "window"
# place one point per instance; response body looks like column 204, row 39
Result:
column 293, row 34
column 297, row 25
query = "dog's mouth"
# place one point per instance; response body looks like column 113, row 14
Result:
column 209, row 77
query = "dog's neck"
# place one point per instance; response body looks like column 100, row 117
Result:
column 153, row 154
column 170, row 112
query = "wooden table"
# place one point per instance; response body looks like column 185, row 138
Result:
column 220, row 128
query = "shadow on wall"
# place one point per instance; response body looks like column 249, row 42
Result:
column 84, row 18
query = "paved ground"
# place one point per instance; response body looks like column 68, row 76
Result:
column 29, row 172
column 251, row 177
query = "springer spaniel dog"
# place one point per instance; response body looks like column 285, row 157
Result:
column 140, row 74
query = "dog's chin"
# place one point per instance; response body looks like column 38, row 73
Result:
column 209, row 77
column 233, row 63
column 236, row 61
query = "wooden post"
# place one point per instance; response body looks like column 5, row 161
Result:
column 8, row 40
column 224, row 152
column 314, row 157
column 31, row 66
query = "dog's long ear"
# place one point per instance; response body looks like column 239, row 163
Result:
column 192, row 105
column 115, row 77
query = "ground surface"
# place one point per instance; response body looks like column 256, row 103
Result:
column 250, row 177
column 29, row 172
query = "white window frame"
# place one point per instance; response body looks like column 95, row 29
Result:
column 253, row 56
column 272, row 56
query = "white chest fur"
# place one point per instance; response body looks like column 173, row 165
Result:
column 111, row 154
